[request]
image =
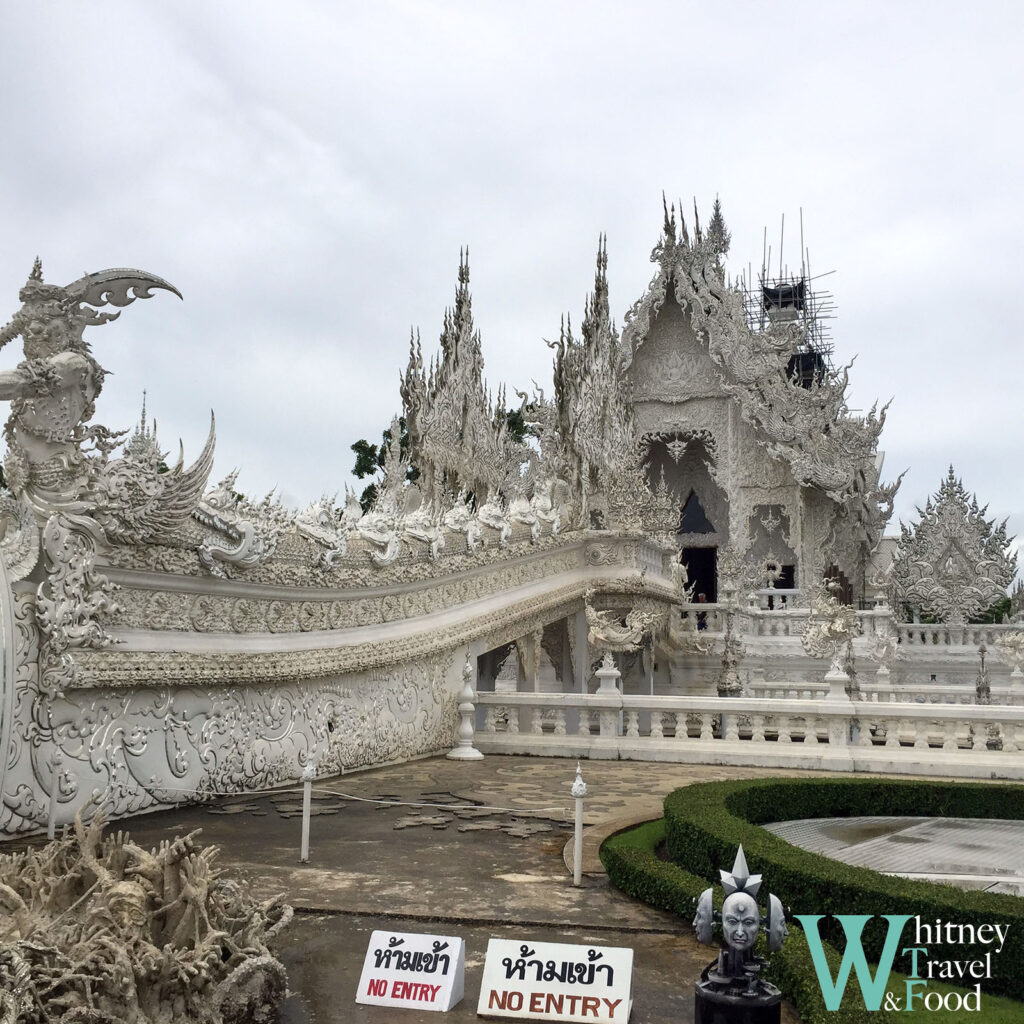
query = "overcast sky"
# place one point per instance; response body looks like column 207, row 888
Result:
column 306, row 174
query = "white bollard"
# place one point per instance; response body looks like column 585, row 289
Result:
column 308, row 774
column 51, row 814
column 579, row 791
column 464, row 749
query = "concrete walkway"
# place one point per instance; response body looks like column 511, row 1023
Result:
column 473, row 849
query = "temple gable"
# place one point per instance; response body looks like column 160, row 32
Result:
column 672, row 364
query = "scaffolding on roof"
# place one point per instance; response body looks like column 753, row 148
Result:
column 791, row 297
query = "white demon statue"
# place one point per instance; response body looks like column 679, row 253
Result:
column 64, row 487
column 52, row 394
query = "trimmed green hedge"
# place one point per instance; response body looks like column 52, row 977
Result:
column 706, row 822
column 634, row 868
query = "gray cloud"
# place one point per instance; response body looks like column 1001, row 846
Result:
column 307, row 177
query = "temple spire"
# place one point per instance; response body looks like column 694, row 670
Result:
column 718, row 234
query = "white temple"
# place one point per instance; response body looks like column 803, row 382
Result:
column 682, row 560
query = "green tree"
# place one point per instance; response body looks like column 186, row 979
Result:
column 996, row 613
column 516, row 423
column 370, row 460
column 370, row 457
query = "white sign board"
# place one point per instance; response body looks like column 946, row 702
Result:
column 555, row 981
column 422, row 972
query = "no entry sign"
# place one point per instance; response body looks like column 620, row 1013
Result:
column 556, row 981
column 423, row 972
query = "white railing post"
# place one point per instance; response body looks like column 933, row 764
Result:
column 579, row 791
column 608, row 684
column 308, row 774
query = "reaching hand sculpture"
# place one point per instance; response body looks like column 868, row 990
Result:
column 101, row 929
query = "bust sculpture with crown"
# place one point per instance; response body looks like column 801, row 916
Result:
column 731, row 989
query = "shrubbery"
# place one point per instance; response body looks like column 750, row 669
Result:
column 634, row 868
column 705, row 823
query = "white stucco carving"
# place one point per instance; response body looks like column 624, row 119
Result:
column 324, row 525
column 177, row 640
column 609, row 632
column 242, row 533
column 953, row 563
column 458, row 435
column 70, row 603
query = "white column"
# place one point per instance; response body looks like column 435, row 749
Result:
column 608, row 677
column 582, row 652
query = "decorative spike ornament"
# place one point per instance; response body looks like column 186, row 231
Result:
column 740, row 879
column 669, row 228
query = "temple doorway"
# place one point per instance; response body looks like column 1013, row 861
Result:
column 702, row 571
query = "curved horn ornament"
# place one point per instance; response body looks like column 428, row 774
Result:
column 118, row 286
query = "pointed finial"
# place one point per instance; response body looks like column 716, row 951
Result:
column 696, row 221
column 683, row 233
column 579, row 787
column 670, row 219
column 740, row 879
column 602, row 256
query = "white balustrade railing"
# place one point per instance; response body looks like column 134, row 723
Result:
column 710, row 617
column 789, row 691
column 789, row 619
column 930, row 739
column 781, row 622
column 652, row 558
column 873, row 691
column 937, row 693
column 921, row 635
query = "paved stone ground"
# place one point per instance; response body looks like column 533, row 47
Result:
column 483, row 858
column 967, row 852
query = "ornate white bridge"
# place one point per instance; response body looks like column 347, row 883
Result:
column 164, row 640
